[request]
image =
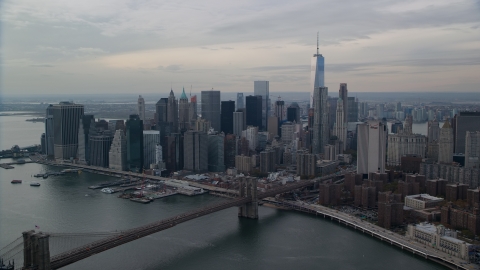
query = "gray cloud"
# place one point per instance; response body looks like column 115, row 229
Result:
column 42, row 65
column 70, row 34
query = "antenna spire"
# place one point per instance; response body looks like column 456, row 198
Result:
column 317, row 43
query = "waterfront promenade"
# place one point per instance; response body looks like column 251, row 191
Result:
column 111, row 172
column 378, row 232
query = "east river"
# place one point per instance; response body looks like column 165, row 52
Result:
column 277, row 240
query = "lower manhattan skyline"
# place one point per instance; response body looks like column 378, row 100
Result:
column 239, row 135
column 88, row 47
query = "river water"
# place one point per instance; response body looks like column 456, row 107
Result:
column 277, row 240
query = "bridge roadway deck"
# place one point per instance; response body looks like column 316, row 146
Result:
column 85, row 251
column 378, row 232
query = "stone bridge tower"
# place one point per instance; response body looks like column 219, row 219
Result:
column 36, row 252
column 248, row 188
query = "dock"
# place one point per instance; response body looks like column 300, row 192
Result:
column 6, row 166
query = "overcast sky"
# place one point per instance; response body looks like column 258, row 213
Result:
column 142, row 46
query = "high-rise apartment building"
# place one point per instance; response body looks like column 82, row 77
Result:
column 273, row 126
column 226, row 119
column 320, row 120
column 118, row 152
column 62, row 123
column 254, row 111
column 343, row 94
column 183, row 113
column 371, row 147
column 240, row 101
column 405, row 143
column 306, row 164
column 150, row 140
column 267, row 161
column 196, row 150
column 134, row 128
column 211, row 108
column 472, row 149
column 445, row 143
column 261, row 88
column 141, row 108
column 251, row 134
column 464, row 121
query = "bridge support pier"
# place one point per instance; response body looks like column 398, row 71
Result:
column 36, row 251
column 248, row 188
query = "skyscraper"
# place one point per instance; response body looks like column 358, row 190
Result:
column 464, row 121
column 211, row 108
column 318, row 72
column 352, row 105
column 99, row 149
column 141, row 108
column 445, row 143
column 293, row 112
column 230, row 152
column 371, row 147
column 254, row 111
column 261, row 88
column 118, row 152
column 280, row 110
column 196, row 151
column 62, row 125
column 83, row 133
column 343, row 94
column 216, row 158
column 433, row 131
column 150, row 140
column 228, row 108
column 340, row 128
column 183, row 113
column 192, row 117
column 172, row 112
column 239, row 122
column 162, row 121
column 320, row 120
column 134, row 128
column 240, row 101
column 173, row 152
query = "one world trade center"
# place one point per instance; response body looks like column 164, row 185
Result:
column 318, row 102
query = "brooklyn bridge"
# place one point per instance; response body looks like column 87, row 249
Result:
column 35, row 246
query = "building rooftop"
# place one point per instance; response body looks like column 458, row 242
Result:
column 423, row 197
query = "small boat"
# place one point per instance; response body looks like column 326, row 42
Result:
column 107, row 190
column 35, row 184
column 16, row 181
